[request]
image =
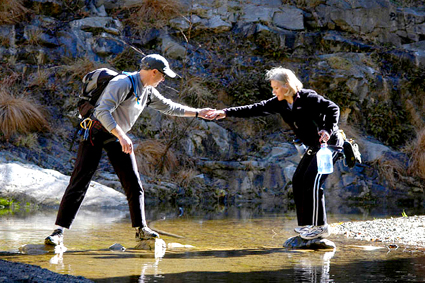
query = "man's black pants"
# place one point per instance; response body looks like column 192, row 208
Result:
column 88, row 158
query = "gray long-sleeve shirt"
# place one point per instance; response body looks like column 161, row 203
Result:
column 114, row 109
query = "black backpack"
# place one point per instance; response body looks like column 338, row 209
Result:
column 94, row 83
column 351, row 151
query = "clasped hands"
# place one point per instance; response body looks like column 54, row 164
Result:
column 211, row 114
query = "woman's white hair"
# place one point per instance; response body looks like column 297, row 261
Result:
column 285, row 76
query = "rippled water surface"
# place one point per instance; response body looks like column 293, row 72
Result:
column 229, row 245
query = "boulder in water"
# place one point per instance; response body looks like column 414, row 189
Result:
column 314, row 244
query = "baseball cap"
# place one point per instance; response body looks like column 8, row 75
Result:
column 156, row 61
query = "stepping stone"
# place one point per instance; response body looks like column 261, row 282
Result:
column 158, row 246
column 146, row 244
column 314, row 244
column 117, row 247
column 31, row 249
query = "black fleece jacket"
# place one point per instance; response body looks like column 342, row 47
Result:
column 310, row 113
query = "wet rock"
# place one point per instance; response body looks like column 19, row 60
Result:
column 156, row 245
column 117, row 247
column 148, row 245
column 32, row 249
column 315, row 244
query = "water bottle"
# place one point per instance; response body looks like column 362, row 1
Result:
column 301, row 148
column 324, row 160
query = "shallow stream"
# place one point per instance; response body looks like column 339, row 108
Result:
column 227, row 245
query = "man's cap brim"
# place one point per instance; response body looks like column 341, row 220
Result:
column 169, row 72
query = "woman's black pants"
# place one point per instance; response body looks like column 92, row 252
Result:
column 308, row 192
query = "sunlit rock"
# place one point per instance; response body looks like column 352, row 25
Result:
column 315, row 244
column 96, row 24
column 173, row 246
column 289, row 18
column 31, row 183
column 117, row 247
column 172, row 48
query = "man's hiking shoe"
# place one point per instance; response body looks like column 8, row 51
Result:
column 302, row 229
column 316, row 232
column 146, row 233
column 55, row 239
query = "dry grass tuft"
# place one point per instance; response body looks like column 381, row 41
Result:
column 12, row 11
column 127, row 60
column 29, row 141
column 341, row 63
column 154, row 13
column 185, row 177
column 416, row 116
column 39, row 78
column 417, row 153
column 77, row 69
column 9, row 79
column 196, row 94
column 391, row 170
column 20, row 115
column 149, row 154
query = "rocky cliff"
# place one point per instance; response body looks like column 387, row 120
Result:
column 367, row 56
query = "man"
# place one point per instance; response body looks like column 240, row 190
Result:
column 314, row 120
column 113, row 117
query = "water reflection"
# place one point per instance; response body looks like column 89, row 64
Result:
column 58, row 258
column 312, row 268
column 153, row 270
column 236, row 244
column 309, row 271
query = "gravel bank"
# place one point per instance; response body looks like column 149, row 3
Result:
column 405, row 231
column 21, row 272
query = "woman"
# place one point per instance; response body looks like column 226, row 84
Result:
column 314, row 120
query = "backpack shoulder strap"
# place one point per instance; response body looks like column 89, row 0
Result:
column 133, row 88
column 149, row 98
